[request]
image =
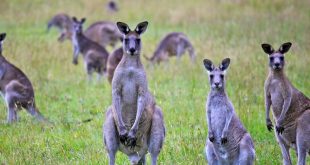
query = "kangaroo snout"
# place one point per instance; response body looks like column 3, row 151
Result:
column 277, row 66
column 132, row 51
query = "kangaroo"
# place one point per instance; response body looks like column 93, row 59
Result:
column 95, row 56
column 290, row 107
column 134, row 123
column 173, row 44
column 114, row 58
column 16, row 89
column 112, row 6
column 228, row 142
column 103, row 32
column 64, row 24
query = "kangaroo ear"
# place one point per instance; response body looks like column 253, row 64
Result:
column 267, row 48
column 83, row 20
column 74, row 19
column 141, row 27
column 2, row 36
column 285, row 47
column 224, row 65
column 123, row 27
column 208, row 65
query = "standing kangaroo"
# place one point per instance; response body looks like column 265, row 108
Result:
column 228, row 142
column 291, row 108
column 134, row 123
column 114, row 58
column 95, row 56
column 64, row 24
column 104, row 33
column 16, row 89
column 173, row 44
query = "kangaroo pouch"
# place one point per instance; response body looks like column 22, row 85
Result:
column 144, row 124
column 289, row 134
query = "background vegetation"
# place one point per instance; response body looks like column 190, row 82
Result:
column 218, row 29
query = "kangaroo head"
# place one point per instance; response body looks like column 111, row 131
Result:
column 276, row 58
column 78, row 25
column 131, row 39
column 216, row 74
column 2, row 37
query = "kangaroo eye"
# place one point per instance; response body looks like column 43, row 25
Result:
column 271, row 58
column 126, row 40
column 222, row 76
column 281, row 58
column 211, row 76
column 138, row 40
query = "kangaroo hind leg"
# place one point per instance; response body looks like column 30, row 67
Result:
column 157, row 134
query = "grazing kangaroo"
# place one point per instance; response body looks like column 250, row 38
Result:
column 291, row 108
column 95, row 56
column 103, row 32
column 114, row 58
column 173, row 44
column 134, row 123
column 64, row 24
column 112, row 7
column 16, row 89
column 228, row 141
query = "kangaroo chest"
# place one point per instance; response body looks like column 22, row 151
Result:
column 218, row 116
column 130, row 86
column 132, row 81
column 277, row 100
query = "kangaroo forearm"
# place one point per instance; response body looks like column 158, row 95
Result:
column 209, row 121
column 76, row 51
column 227, row 122
column 2, row 71
column 267, row 107
column 286, row 105
column 267, row 103
column 141, row 107
column 75, row 54
column 116, row 103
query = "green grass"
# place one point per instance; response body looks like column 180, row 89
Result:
column 218, row 29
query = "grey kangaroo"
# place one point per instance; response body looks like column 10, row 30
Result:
column 290, row 107
column 228, row 142
column 16, row 89
column 64, row 24
column 173, row 44
column 114, row 58
column 104, row 33
column 95, row 56
column 134, row 123
column 112, row 6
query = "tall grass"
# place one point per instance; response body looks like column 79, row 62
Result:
column 218, row 29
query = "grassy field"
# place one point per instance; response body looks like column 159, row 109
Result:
column 218, row 29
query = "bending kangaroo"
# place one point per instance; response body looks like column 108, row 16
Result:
column 290, row 107
column 134, row 123
column 114, row 58
column 16, row 89
column 112, row 6
column 228, row 142
column 173, row 44
column 104, row 33
column 95, row 56
column 64, row 24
